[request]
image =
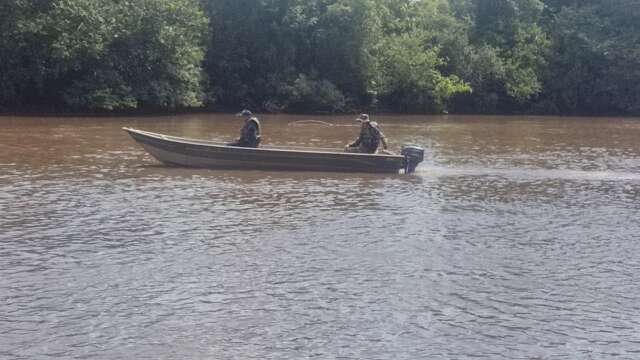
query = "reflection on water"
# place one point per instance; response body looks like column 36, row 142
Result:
column 515, row 239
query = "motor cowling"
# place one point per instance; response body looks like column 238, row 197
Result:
column 413, row 155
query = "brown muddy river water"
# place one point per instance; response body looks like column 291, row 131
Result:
column 517, row 238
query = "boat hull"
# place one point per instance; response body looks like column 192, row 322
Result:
column 204, row 154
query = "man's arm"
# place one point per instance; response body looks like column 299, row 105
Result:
column 384, row 140
column 357, row 142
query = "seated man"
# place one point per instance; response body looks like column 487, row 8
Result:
column 250, row 132
column 370, row 137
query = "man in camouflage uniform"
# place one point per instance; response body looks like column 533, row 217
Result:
column 250, row 132
column 370, row 137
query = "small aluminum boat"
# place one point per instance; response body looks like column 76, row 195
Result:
column 177, row 151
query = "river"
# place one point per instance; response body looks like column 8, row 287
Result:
column 517, row 238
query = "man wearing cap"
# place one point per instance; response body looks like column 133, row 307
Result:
column 370, row 137
column 250, row 132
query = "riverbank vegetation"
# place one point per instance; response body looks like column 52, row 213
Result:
column 466, row 56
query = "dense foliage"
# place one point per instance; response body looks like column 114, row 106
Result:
column 83, row 54
column 426, row 56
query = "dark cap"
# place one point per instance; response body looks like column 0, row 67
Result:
column 363, row 118
column 245, row 113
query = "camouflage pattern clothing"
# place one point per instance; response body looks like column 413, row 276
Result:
column 369, row 140
column 249, row 134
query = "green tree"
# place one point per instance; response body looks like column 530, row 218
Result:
column 505, row 56
column 127, row 54
column 595, row 67
column 412, row 70
column 108, row 55
column 554, row 56
column 9, row 55
column 268, row 54
column 22, row 54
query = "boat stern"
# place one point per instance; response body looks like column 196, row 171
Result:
column 413, row 156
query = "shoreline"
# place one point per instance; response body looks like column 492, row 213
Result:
column 196, row 111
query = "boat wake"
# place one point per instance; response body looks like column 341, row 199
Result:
column 524, row 173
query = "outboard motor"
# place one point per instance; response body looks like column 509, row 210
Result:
column 413, row 155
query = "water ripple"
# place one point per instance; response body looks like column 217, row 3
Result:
column 500, row 247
